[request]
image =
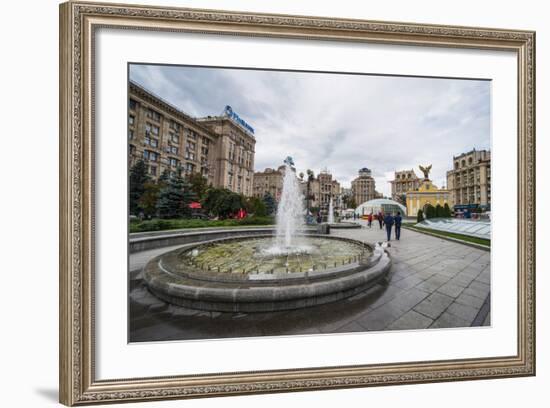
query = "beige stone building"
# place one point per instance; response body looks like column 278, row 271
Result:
column 166, row 138
column 426, row 193
column 404, row 180
column 469, row 182
column 235, row 148
column 322, row 188
column 363, row 187
column 269, row 181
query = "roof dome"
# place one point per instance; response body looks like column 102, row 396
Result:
column 380, row 204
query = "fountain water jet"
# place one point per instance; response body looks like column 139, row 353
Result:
column 330, row 212
column 290, row 217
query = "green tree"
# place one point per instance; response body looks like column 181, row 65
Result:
column 211, row 199
column 174, row 198
column 199, row 185
column 420, row 216
column 223, row 202
column 164, row 178
column 430, row 211
column 447, row 211
column 352, row 203
column 138, row 179
column 438, row 211
column 270, row 204
column 256, row 206
column 148, row 200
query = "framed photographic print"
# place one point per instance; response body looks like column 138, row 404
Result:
column 256, row 203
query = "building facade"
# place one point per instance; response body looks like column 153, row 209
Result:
column 363, row 187
column 469, row 182
column 269, row 181
column 322, row 189
column 427, row 193
column 404, row 180
column 234, row 156
column 168, row 139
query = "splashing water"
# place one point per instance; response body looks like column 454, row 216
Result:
column 290, row 216
column 330, row 212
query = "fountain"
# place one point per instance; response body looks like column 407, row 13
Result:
column 290, row 216
column 330, row 212
column 338, row 225
column 288, row 269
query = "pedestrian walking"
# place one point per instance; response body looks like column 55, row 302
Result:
column 380, row 217
column 388, row 221
column 319, row 218
column 369, row 218
column 397, row 219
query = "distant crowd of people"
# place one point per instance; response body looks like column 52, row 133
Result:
column 384, row 220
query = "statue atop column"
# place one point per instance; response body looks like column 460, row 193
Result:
column 426, row 171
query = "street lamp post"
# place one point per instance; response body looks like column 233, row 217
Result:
column 309, row 180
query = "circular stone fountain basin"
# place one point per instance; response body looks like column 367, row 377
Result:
column 248, row 274
column 344, row 225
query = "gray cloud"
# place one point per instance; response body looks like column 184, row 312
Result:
column 336, row 121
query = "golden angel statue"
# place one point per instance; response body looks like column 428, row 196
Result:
column 426, row 171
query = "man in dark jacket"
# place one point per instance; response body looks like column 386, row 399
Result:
column 380, row 218
column 397, row 219
column 388, row 221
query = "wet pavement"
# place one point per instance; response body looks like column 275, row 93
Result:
column 433, row 283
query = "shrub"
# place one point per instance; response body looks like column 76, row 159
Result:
column 438, row 211
column 430, row 211
column 170, row 224
column 256, row 206
column 447, row 211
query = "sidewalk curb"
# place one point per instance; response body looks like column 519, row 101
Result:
column 459, row 241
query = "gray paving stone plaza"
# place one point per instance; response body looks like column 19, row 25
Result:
column 433, row 283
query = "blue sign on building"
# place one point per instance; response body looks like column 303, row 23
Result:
column 229, row 113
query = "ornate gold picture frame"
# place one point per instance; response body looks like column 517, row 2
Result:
column 79, row 22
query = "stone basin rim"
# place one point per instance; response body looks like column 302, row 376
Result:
column 226, row 297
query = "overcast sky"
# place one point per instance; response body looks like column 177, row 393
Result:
column 337, row 122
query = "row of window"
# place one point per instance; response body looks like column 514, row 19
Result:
column 189, row 155
column 239, row 183
column 151, row 140
column 239, row 140
column 155, row 157
column 152, row 129
column 404, row 187
column 240, row 155
column 150, row 113
column 463, row 162
column 153, row 169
